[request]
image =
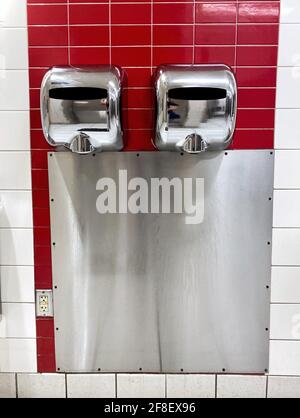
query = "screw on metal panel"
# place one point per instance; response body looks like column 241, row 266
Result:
column 140, row 369
column 268, row 243
column 52, row 200
column 271, row 152
column 58, row 368
column 94, row 155
column 57, row 329
column 50, row 155
column 55, row 287
column 99, row 370
column 266, row 370
column 267, row 329
column 181, row 370
column 226, row 153
column 270, row 198
column 137, row 155
column 267, row 287
column 181, row 153
column 53, row 243
column 223, row 370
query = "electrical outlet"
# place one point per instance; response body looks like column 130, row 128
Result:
column 44, row 303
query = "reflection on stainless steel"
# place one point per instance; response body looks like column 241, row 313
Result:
column 198, row 100
column 150, row 291
column 81, row 108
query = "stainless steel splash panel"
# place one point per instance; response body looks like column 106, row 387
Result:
column 150, row 293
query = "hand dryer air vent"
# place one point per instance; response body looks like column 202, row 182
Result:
column 80, row 108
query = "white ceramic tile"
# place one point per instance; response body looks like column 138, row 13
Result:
column 91, row 385
column 290, row 11
column 14, row 131
column 284, row 358
column 41, row 386
column 15, row 170
column 287, row 169
column 191, row 386
column 13, row 13
column 140, row 386
column 15, row 209
column 17, row 284
column 285, row 249
column 7, row 385
column 285, row 322
column 235, row 386
column 286, row 208
column 287, row 135
column 283, row 387
column 17, row 320
column 285, row 286
column 288, row 82
column 16, row 247
column 289, row 48
column 14, row 90
column 12, row 57
column 18, row 355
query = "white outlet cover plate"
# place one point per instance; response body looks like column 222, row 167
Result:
column 44, row 309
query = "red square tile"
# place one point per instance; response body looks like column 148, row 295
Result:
column 45, row 328
column 43, row 276
column 89, row 35
column 89, row 56
column 216, row 12
column 215, row 55
column 138, row 77
column 41, row 217
column 40, row 199
column 258, row 34
column 173, row 35
column 131, row 56
column 48, row 35
column 256, row 77
column 131, row 35
column 172, row 55
column 46, row 364
column 257, row 55
column 253, row 139
column 40, row 179
column 48, row 57
column 94, row 14
column 168, row 13
column 130, row 14
column 139, row 140
column 36, row 77
column 42, row 256
column 140, row 98
column 38, row 140
column 259, row 12
column 45, row 346
column 256, row 98
column 255, row 118
column 215, row 34
column 47, row 14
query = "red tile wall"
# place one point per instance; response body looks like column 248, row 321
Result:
column 139, row 36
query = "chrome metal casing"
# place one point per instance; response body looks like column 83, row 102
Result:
column 195, row 107
column 81, row 108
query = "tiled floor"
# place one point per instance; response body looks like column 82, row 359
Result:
column 147, row 386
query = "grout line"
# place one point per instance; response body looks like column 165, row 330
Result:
column 69, row 34
column 216, row 385
column 16, row 383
